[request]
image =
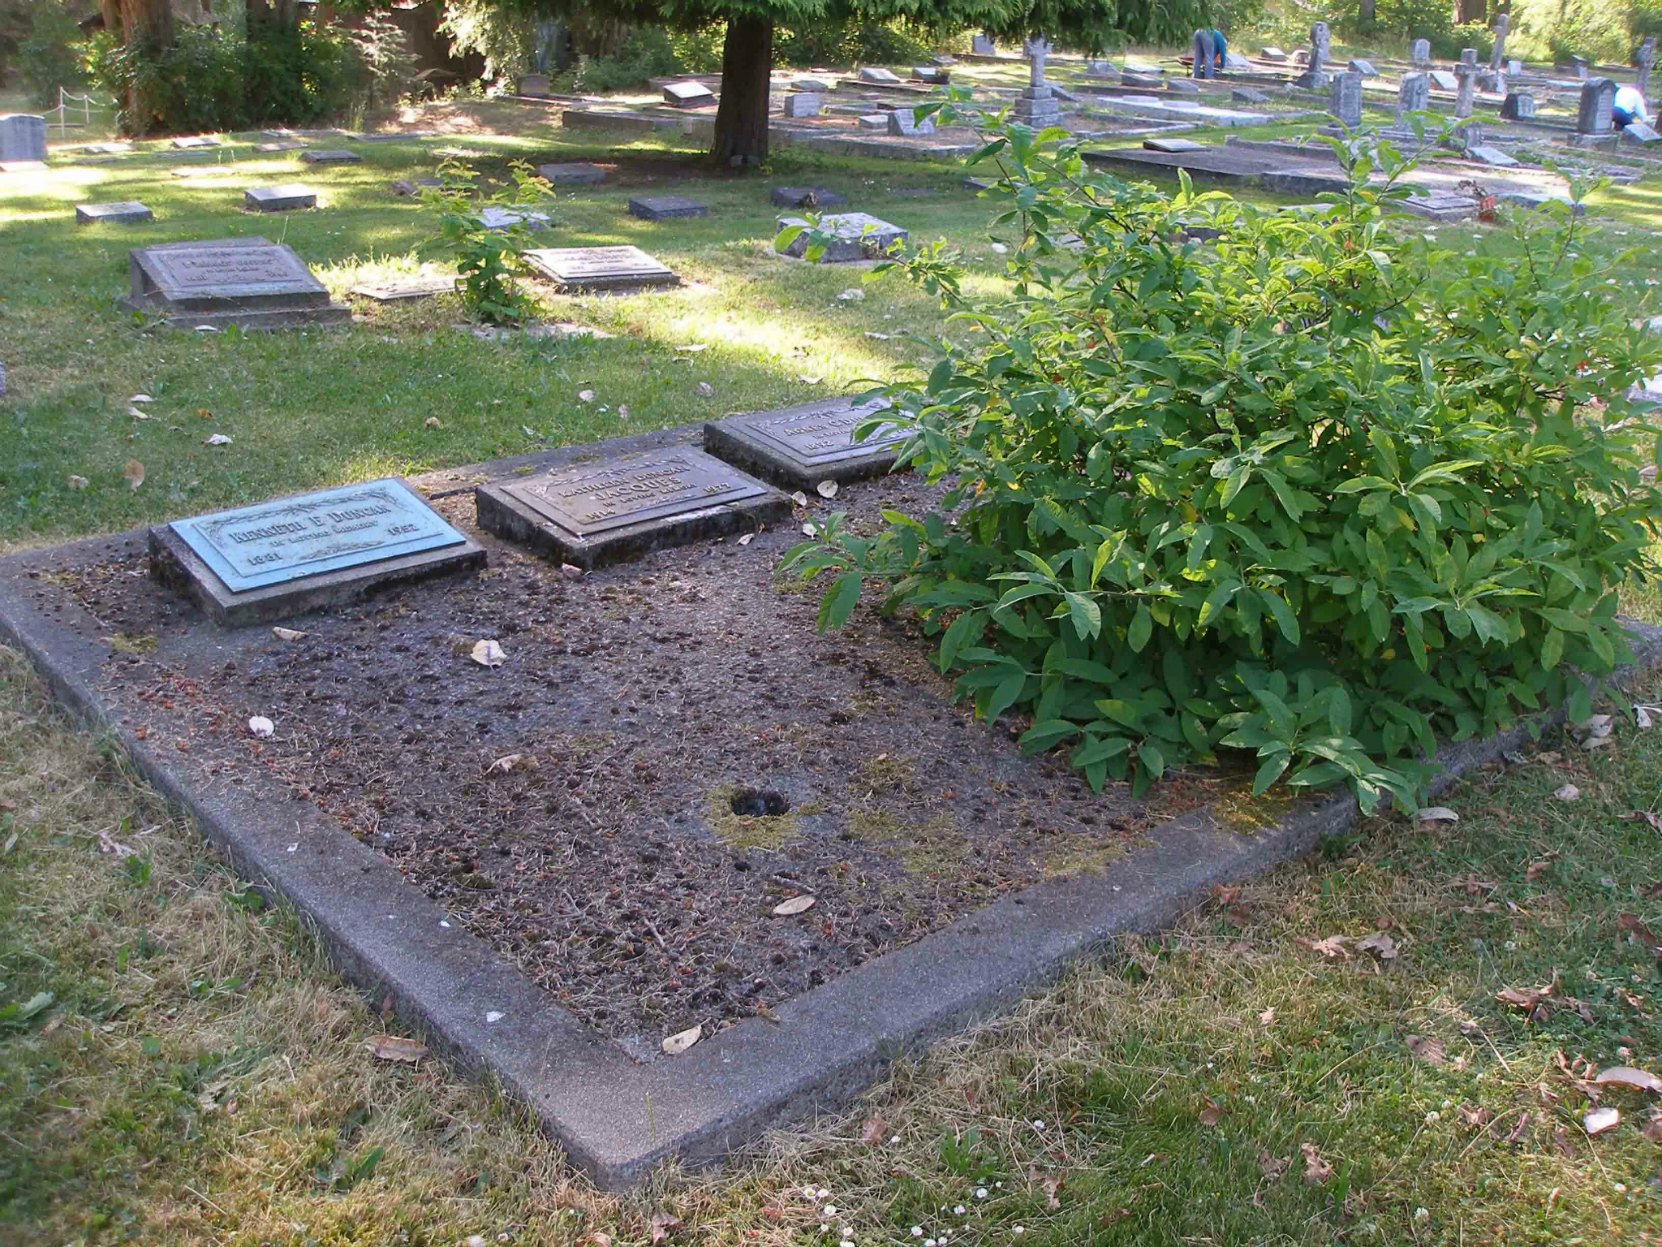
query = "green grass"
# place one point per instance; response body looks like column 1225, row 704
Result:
column 191, row 1071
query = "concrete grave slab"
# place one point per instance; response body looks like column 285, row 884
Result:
column 878, row 76
column 1173, row 145
column 872, row 121
column 336, row 156
column 688, row 95
column 406, row 187
column 847, row 236
column 190, row 142
column 1640, row 133
column 622, row 507
column 805, row 197
column 251, row 282
column 798, row 447
column 574, row 173
column 667, row 207
column 107, row 149
column 1484, row 154
column 124, row 212
column 803, row 104
column 617, row 269
column 285, row 198
column 1444, row 81
column 280, row 145
column 281, row 558
column 400, row 289
column 904, row 123
column 494, row 218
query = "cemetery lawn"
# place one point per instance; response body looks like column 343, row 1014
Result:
column 179, row 1065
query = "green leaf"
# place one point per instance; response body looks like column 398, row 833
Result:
column 840, row 602
column 1269, row 772
column 1142, row 627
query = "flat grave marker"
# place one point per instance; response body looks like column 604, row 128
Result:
column 805, row 197
column 848, row 236
column 798, row 447
column 904, row 123
column 879, row 76
column 574, row 173
column 620, row 508
column 284, row 198
column 600, row 268
column 275, row 559
column 332, row 156
column 189, row 142
column 123, row 212
column 688, row 95
column 252, row 282
column 507, row 218
column 667, row 207
column 398, row 289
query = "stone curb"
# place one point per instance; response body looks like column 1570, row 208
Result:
column 618, row 1118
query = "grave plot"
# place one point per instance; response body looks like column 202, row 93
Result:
column 619, row 269
column 560, row 818
column 251, row 282
column 798, row 447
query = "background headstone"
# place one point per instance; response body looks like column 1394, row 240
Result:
column 1497, row 58
column 338, row 156
column 878, row 76
column 1518, row 106
column 1413, row 94
column 983, row 45
column 1645, row 59
column 1037, row 106
column 578, row 173
column 1465, row 96
column 903, row 122
column 250, row 281
column 620, row 268
column 1443, row 80
column 1598, row 98
column 1345, row 99
column 1315, row 75
column 22, row 138
column 798, row 447
column 803, row 104
column 278, row 198
column 847, row 235
column 667, row 207
column 688, row 94
column 127, row 212
column 1419, row 54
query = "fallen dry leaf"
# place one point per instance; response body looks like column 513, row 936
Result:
column 1428, row 1049
column 396, row 1048
column 78, row 482
column 800, row 498
column 1648, row 817
column 509, row 762
column 1380, row 945
column 141, row 398
column 1436, row 814
column 796, row 905
column 1628, row 1076
column 1050, row 1184
column 288, row 634
column 1272, row 1167
column 1213, row 1113
column 1316, row 1170
column 1569, row 792
column 1528, row 999
column 585, row 396
column 1636, row 927
column 1539, row 867
column 1267, row 1017
column 747, row 539
column 433, row 422
column 261, row 727
column 133, row 470
column 489, row 654
column 598, row 1238
column 1601, row 1119
column 679, row 1042
column 663, row 1225
column 1332, row 946
column 704, row 389
column 216, row 439
column 874, row 1131
column 826, row 489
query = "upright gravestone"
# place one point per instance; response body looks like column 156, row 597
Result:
column 1345, row 99
column 275, row 559
column 904, row 123
column 1468, row 56
column 1036, row 106
column 1465, row 96
column 803, row 104
column 22, row 139
column 983, row 45
column 1518, row 106
column 620, row 508
column 1315, row 75
column 1501, row 28
column 798, row 447
column 1413, row 94
column 250, row 282
column 1598, row 99
column 1205, row 53
column 1420, row 54
column 1645, row 59
column 615, row 269
column 877, row 76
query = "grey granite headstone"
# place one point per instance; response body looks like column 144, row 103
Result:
column 1142, row 82
column 414, row 186
column 847, row 235
column 804, row 104
column 338, row 156
column 1419, row 54
column 1645, row 59
column 688, row 94
column 812, row 86
column 1345, row 99
column 190, row 141
column 1365, row 68
column 1518, row 106
column 798, row 447
column 621, row 508
column 1276, row 56
column 1443, row 80
column 1176, row 86
column 1641, row 133
column 1598, row 98
column 251, row 282
column 126, row 212
column 1248, row 95
column 935, row 75
column 1490, row 156
column 873, row 121
column 667, row 207
column 983, row 45
column 1174, row 145
column 107, row 149
column 904, row 123
column 535, row 85
column 1413, row 94
column 22, row 138
column 279, row 558
column 1321, row 49
column 1465, row 96
column 1497, row 58
column 600, row 268
column 279, row 198
column 805, row 197
column 878, row 76
column 575, row 173
column 1468, row 56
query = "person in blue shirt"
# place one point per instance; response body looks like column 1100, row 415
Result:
column 1220, row 49
column 1628, row 107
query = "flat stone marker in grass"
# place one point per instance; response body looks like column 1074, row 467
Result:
column 805, row 197
column 904, row 123
column 576, row 173
column 688, row 94
column 414, row 186
column 621, row 508
column 107, row 149
column 507, row 218
column 1444, row 81
column 280, row 145
column 1173, row 145
column 879, row 76
column 798, row 447
column 252, row 282
column 189, row 142
column 851, row 236
column 398, row 289
column 575, row 269
column 333, row 156
column 285, row 198
column 667, row 207
column 125, row 212
column 276, row 559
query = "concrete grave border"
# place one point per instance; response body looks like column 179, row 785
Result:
column 618, row 1119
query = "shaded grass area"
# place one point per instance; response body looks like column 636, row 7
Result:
column 197, row 1074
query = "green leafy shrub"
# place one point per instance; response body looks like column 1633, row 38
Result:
column 646, row 52
column 487, row 260
column 52, row 55
column 1315, row 492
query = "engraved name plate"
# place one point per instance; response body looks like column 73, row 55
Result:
column 603, row 497
column 825, row 434
column 276, row 542
column 230, row 271
column 600, row 267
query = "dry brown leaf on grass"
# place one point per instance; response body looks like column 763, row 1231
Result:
column 396, row 1048
column 1636, row 927
column 679, row 1042
column 1540, row 866
column 796, row 905
column 663, row 1225
column 1652, row 1129
column 1598, row 1120
column 489, row 654
column 874, row 1131
column 1649, row 817
column 1380, row 945
column 288, row 634
column 1628, row 1076
column 1050, row 1184
column 1428, row 1049
column 1332, row 946
column 1213, row 1113
column 133, row 470
column 1528, row 999
column 1272, row 1167
column 1316, row 1170
column 597, row 1238
column 510, row 762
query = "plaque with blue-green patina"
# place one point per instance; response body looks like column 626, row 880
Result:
column 278, row 542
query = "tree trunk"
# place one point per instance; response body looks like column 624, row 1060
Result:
column 148, row 24
column 742, row 116
column 1365, row 16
